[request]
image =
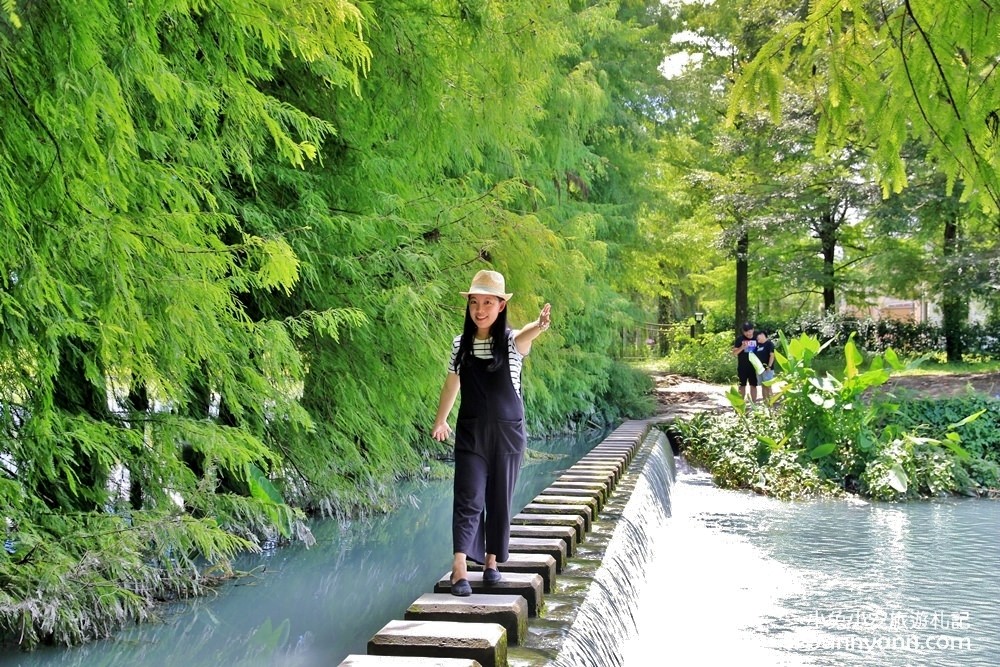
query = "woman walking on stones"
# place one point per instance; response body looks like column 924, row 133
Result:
column 490, row 438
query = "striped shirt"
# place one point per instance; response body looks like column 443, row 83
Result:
column 482, row 349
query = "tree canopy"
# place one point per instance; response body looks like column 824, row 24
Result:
column 233, row 240
column 233, row 237
column 885, row 73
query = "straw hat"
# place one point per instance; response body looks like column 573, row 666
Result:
column 488, row 282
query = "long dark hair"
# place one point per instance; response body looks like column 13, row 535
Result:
column 498, row 332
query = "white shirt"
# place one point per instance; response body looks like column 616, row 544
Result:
column 482, row 349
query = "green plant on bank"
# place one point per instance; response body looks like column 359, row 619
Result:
column 719, row 442
column 707, row 357
column 827, row 434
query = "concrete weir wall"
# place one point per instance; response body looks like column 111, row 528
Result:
column 448, row 631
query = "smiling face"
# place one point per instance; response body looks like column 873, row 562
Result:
column 484, row 310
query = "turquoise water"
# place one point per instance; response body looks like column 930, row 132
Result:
column 736, row 579
column 756, row 582
column 309, row 607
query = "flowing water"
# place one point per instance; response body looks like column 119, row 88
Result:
column 607, row 617
column 751, row 581
column 676, row 572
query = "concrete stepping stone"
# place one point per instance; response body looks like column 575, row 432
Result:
column 529, row 586
column 626, row 450
column 510, row 611
column 574, row 521
column 617, row 461
column 567, row 481
column 486, row 643
column 604, row 458
column 356, row 660
column 609, row 477
column 597, row 493
column 571, row 509
column 545, row 498
column 613, row 467
column 605, row 481
column 543, row 565
column 609, row 471
column 565, row 533
column 554, row 547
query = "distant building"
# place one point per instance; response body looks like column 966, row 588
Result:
column 909, row 310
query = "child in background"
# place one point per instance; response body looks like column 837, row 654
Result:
column 745, row 372
column 765, row 352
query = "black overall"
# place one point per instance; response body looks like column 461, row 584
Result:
column 489, row 445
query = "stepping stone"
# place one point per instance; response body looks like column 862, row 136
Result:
column 596, row 493
column 529, row 586
column 616, row 464
column 587, row 469
column 485, row 643
column 545, row 498
column 616, row 461
column 554, row 547
column 574, row 481
column 543, row 565
column 510, row 611
column 606, row 477
column 404, row 661
column 565, row 533
column 582, row 511
column 627, row 450
column 573, row 521
column 605, row 481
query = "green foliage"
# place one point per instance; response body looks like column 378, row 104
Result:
column 750, row 452
column 828, row 434
column 232, row 243
column 707, row 357
column 888, row 76
column 980, row 437
column 629, row 394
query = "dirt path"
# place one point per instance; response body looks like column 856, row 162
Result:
column 678, row 395
column 945, row 386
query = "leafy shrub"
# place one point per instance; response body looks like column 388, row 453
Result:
column 707, row 357
column 629, row 393
column 748, row 452
column 980, row 437
column 825, row 434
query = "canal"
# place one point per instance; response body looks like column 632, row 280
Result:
column 735, row 578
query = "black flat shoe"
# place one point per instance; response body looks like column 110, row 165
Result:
column 462, row 588
column 491, row 576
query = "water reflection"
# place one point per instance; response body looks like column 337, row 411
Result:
column 306, row 607
column 758, row 582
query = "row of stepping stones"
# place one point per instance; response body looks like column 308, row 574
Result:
column 447, row 631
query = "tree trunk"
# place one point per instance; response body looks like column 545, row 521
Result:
column 742, row 284
column 954, row 304
column 663, row 316
column 138, row 409
column 828, row 242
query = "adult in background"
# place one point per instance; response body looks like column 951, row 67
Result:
column 747, row 374
column 490, row 438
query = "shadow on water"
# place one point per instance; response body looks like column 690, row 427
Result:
column 304, row 607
